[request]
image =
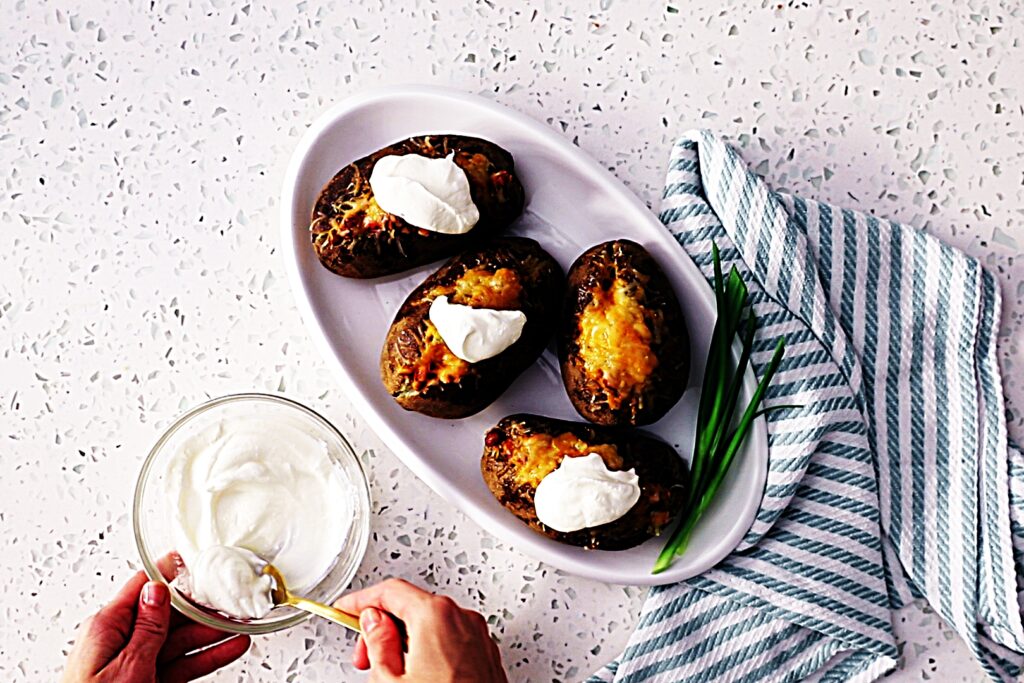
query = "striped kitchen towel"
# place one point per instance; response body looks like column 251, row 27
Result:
column 894, row 481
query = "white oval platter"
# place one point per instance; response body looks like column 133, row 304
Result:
column 572, row 204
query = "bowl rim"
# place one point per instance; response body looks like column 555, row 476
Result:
column 154, row 573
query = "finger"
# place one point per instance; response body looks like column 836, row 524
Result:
column 151, row 624
column 485, row 631
column 170, row 565
column 89, row 653
column 188, row 638
column 83, row 629
column 360, row 659
column 129, row 592
column 496, row 665
column 204, row 662
column 394, row 595
column 383, row 643
column 118, row 614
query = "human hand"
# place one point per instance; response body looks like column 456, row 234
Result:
column 136, row 639
column 446, row 642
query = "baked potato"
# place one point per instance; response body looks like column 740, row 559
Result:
column 418, row 367
column 523, row 449
column 623, row 345
column 354, row 237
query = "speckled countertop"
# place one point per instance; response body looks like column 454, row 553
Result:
column 143, row 145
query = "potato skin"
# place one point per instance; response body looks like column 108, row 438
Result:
column 623, row 344
column 354, row 237
column 513, row 480
column 418, row 369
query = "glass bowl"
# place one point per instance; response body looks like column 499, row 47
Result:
column 152, row 513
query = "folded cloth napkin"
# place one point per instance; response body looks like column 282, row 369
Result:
column 893, row 481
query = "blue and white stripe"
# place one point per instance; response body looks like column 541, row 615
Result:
column 893, row 481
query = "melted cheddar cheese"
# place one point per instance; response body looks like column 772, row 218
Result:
column 537, row 455
column 615, row 342
column 359, row 208
column 436, row 364
column 484, row 288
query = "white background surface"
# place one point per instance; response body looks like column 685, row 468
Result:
column 143, row 145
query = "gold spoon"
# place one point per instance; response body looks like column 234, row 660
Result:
column 280, row 595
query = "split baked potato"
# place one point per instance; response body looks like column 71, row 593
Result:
column 354, row 237
column 623, row 344
column 419, row 369
column 522, row 449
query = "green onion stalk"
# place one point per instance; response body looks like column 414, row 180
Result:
column 716, row 441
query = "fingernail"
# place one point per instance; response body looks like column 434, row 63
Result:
column 369, row 619
column 154, row 594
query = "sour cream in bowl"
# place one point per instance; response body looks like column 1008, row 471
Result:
column 250, row 476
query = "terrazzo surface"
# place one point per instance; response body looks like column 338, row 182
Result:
column 143, row 146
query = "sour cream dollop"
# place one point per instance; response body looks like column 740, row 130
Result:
column 475, row 334
column 229, row 579
column 582, row 492
column 432, row 194
column 262, row 482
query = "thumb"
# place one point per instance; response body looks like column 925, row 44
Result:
column 383, row 643
column 151, row 625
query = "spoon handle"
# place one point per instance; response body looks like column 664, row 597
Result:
column 336, row 615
